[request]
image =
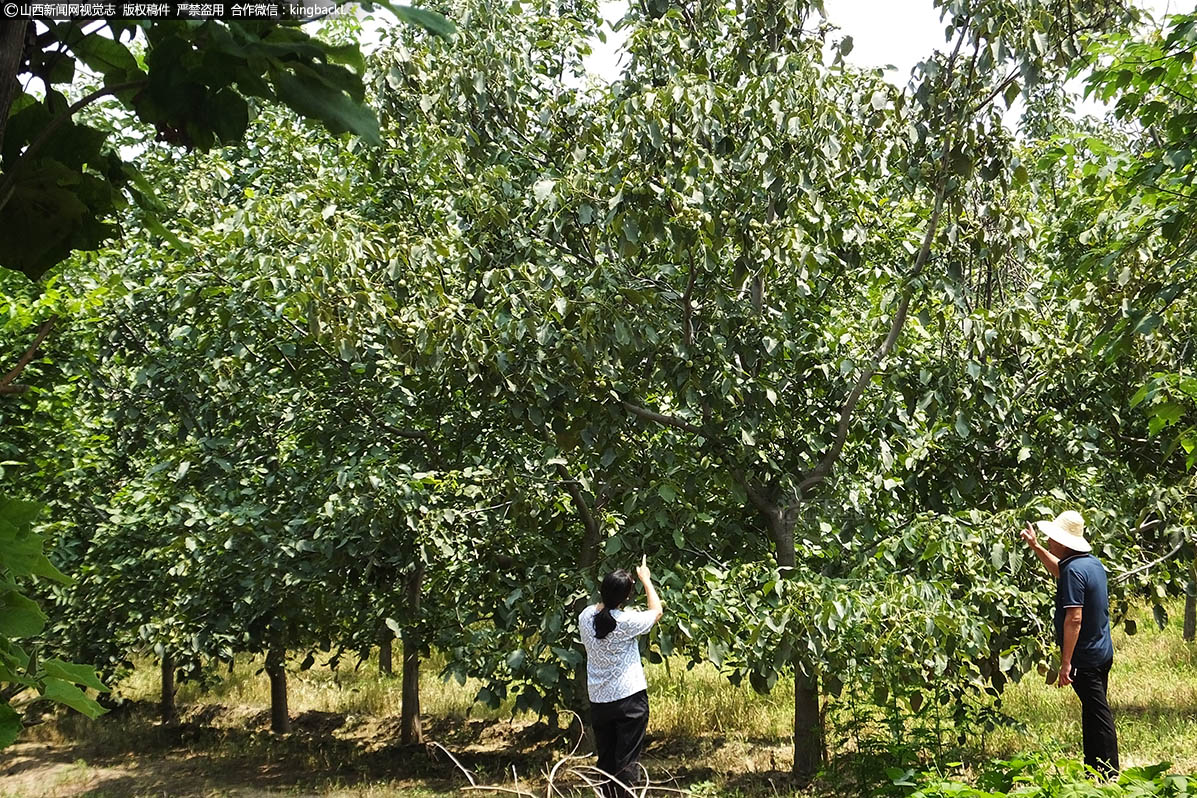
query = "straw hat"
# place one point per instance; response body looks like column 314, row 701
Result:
column 1068, row 530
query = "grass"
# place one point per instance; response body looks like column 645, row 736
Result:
column 352, row 691
column 718, row 738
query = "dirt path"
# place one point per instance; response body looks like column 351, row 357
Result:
column 45, row 770
column 227, row 752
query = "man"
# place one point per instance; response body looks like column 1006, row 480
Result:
column 1082, row 623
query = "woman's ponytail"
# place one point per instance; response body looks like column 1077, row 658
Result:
column 616, row 588
column 604, row 623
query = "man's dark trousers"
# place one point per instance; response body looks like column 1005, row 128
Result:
column 1097, row 719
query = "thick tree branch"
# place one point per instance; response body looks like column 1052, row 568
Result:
column 590, row 540
column 1153, row 563
column 820, row 471
column 823, row 468
column 7, row 385
column 660, row 418
column 993, row 94
column 687, row 307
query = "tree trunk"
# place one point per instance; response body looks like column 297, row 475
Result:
column 1191, row 605
column 12, row 44
column 588, row 556
column 276, row 669
column 809, row 750
column 1191, row 614
column 808, row 726
column 166, row 705
column 409, row 720
column 385, row 651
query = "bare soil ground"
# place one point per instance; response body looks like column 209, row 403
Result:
column 217, row 750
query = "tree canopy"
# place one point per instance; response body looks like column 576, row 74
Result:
column 817, row 345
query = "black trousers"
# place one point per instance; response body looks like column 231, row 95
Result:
column 619, row 728
column 1097, row 719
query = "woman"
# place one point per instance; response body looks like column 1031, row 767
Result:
column 615, row 677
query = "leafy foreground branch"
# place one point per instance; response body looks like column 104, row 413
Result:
column 1042, row 776
column 22, row 669
column 1038, row 775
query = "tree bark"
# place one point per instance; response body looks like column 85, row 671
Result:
column 12, row 44
column 409, row 721
column 7, row 382
column 166, row 705
column 809, row 749
column 385, row 651
column 276, row 669
column 588, row 556
column 1191, row 615
column 1191, row 604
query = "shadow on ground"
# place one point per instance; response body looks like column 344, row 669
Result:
column 229, row 751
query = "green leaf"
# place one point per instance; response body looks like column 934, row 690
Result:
column 229, row 114
column 1011, row 93
column 44, row 568
column 51, row 211
column 1148, row 323
column 19, row 616
column 63, row 692
column 715, row 652
column 1163, row 415
column 61, row 67
column 10, row 726
column 488, row 698
column 1161, row 615
column 78, row 674
column 308, row 94
column 1141, row 394
column 543, row 189
column 347, row 54
column 19, row 513
column 547, row 674
column 105, row 55
column 430, row 21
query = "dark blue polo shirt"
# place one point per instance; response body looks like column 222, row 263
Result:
column 1082, row 584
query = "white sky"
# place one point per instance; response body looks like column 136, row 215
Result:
column 884, row 32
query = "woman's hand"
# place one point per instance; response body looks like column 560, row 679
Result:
column 642, row 570
column 650, row 592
